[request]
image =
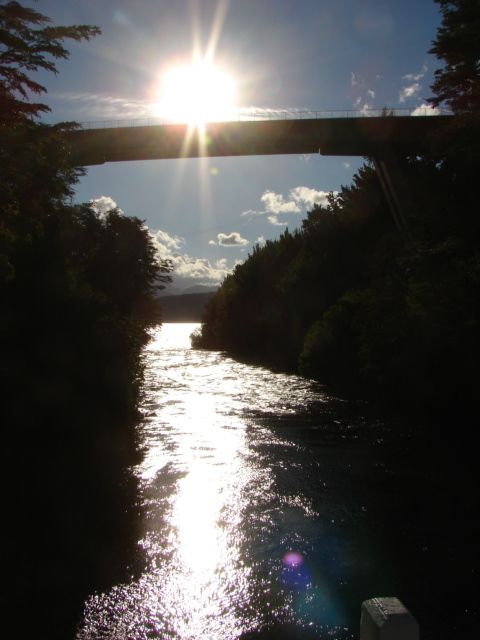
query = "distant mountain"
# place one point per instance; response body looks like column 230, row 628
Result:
column 184, row 308
column 169, row 290
column 172, row 290
column 199, row 288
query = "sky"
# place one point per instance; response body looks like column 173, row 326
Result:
column 269, row 55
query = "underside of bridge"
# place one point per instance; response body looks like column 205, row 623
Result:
column 384, row 139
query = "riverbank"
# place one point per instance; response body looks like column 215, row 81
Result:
column 72, row 516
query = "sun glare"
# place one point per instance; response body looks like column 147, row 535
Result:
column 196, row 93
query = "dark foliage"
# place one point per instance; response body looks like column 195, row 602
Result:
column 457, row 84
column 77, row 301
column 265, row 308
column 27, row 43
column 353, row 302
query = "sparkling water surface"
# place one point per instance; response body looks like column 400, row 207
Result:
column 254, row 503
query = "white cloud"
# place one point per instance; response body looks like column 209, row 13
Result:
column 260, row 241
column 97, row 106
column 426, row 110
column 362, row 94
column 262, row 113
column 275, row 203
column 103, row 204
column 251, row 213
column 309, row 197
column 187, row 270
column 354, row 79
column 275, row 221
column 415, row 77
column 347, row 165
column 414, row 87
column 165, row 243
column 410, row 91
column 298, row 200
column 233, row 239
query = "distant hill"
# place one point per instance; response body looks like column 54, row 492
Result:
column 199, row 288
column 172, row 290
column 184, row 308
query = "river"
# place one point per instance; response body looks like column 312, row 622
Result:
column 264, row 500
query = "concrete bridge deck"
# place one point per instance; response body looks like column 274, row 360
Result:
column 357, row 136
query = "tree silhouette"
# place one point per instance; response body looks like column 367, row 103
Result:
column 457, row 84
column 27, row 43
column 78, row 300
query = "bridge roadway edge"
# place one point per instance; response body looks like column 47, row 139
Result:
column 328, row 136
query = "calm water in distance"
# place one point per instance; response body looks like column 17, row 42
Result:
column 256, row 507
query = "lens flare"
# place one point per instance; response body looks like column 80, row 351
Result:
column 293, row 559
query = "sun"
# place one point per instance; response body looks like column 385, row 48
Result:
column 196, row 93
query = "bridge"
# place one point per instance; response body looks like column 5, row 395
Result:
column 385, row 139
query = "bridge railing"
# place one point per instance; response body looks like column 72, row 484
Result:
column 256, row 115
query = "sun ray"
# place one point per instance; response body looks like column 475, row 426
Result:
column 217, row 26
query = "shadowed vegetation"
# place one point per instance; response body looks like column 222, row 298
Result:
column 77, row 301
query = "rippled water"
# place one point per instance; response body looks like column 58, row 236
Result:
column 254, row 501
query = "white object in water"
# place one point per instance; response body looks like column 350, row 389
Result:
column 387, row 619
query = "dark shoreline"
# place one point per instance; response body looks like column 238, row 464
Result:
column 73, row 521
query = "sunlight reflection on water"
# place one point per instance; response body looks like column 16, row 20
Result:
column 218, row 524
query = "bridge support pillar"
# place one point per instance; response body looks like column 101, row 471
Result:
column 393, row 184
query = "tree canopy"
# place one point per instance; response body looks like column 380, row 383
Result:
column 28, row 42
column 457, row 83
